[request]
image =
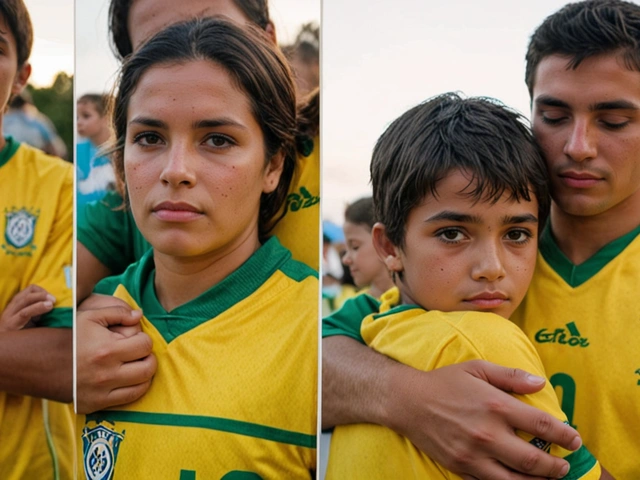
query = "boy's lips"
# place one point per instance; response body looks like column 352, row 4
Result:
column 488, row 300
column 176, row 211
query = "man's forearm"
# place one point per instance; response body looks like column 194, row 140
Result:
column 37, row 362
column 353, row 380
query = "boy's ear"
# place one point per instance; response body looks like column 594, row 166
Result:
column 21, row 78
column 387, row 251
column 272, row 172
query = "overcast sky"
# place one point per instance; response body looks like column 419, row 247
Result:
column 53, row 39
column 382, row 57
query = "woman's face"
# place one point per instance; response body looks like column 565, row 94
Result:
column 194, row 161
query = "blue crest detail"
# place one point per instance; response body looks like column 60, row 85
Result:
column 100, row 445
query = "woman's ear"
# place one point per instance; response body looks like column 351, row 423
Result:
column 389, row 253
column 272, row 172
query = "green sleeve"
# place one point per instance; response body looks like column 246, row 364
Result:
column 348, row 319
column 58, row 317
column 110, row 233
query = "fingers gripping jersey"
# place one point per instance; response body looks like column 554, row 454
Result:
column 427, row 340
column 36, row 197
column 235, row 389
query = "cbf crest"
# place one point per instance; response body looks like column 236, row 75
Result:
column 19, row 230
column 101, row 445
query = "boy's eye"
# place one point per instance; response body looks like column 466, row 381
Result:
column 519, row 236
column 450, row 235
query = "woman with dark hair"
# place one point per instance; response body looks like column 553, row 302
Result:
column 205, row 127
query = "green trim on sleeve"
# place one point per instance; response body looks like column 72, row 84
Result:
column 111, row 234
column 348, row 319
column 211, row 423
column 397, row 309
column 576, row 275
column 581, row 462
column 57, row 318
column 9, row 150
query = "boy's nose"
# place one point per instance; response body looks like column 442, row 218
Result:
column 489, row 265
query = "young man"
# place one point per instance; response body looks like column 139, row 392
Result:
column 36, row 193
column 585, row 88
column 460, row 190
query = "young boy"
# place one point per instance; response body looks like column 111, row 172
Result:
column 36, row 198
column 95, row 173
column 460, row 192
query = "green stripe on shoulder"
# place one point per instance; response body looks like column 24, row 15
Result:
column 211, row 423
column 57, row 318
column 395, row 310
column 297, row 271
column 581, row 462
column 10, row 148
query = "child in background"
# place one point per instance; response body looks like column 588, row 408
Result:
column 460, row 191
column 95, row 173
column 367, row 270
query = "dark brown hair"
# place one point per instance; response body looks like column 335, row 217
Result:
column 480, row 136
column 361, row 212
column 582, row 30
column 253, row 62
column 16, row 15
column 98, row 100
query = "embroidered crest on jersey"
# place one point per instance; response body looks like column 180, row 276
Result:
column 19, row 230
column 559, row 335
column 304, row 199
column 638, row 373
column 100, row 445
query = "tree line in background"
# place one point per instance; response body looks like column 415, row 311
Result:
column 56, row 102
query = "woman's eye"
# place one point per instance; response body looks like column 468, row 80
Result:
column 219, row 141
column 147, row 139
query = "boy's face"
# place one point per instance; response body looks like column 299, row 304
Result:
column 587, row 121
column 462, row 255
column 361, row 258
column 90, row 122
column 12, row 78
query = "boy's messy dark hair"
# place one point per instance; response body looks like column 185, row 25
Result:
column 480, row 136
column 16, row 15
column 256, row 11
column 582, row 30
column 99, row 100
column 361, row 212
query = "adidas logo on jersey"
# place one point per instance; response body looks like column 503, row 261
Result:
column 569, row 336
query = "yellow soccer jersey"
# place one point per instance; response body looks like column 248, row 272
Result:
column 234, row 395
column 426, row 341
column 584, row 322
column 36, row 192
column 299, row 228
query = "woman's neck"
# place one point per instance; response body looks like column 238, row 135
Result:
column 179, row 280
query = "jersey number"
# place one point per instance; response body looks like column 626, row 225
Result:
column 568, row 386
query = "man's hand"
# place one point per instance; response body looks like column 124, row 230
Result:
column 455, row 414
column 114, row 360
column 25, row 308
column 469, row 425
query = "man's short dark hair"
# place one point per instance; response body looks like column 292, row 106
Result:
column 480, row 136
column 582, row 30
column 16, row 15
column 256, row 11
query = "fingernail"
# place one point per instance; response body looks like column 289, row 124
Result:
column 536, row 380
column 136, row 313
column 51, row 298
column 576, row 443
column 47, row 304
column 564, row 470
